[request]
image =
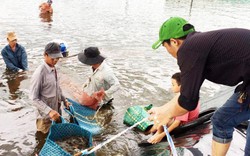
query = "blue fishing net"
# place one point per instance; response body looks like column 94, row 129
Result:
column 84, row 117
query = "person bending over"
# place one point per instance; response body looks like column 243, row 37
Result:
column 102, row 84
column 179, row 120
column 14, row 55
column 220, row 56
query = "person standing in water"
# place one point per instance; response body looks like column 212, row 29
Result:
column 46, row 7
column 14, row 54
column 102, row 84
column 45, row 91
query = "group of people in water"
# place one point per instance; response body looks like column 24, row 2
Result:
column 46, row 93
column 45, row 90
column 221, row 56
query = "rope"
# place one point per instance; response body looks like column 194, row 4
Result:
column 94, row 148
column 107, row 103
column 77, row 116
column 170, row 141
column 86, row 117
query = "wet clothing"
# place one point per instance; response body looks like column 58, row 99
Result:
column 43, row 125
column 45, row 93
column 221, row 56
column 15, row 60
column 230, row 115
column 102, row 77
column 189, row 116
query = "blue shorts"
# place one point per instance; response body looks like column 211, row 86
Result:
column 231, row 114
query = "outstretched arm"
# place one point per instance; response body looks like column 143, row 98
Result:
column 160, row 134
column 164, row 114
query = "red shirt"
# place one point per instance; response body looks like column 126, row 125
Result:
column 190, row 116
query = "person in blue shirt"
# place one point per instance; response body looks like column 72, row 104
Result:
column 14, row 55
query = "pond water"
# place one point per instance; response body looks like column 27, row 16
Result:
column 124, row 30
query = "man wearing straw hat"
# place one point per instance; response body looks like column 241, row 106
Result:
column 221, row 56
column 14, row 55
column 102, row 84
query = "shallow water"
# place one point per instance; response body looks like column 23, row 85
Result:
column 124, row 31
column 73, row 144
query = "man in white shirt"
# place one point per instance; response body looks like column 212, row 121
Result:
column 102, row 84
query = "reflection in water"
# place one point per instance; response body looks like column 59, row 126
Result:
column 40, row 140
column 13, row 80
column 46, row 17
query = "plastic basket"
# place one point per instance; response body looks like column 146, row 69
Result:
column 135, row 114
column 83, row 116
column 59, row 131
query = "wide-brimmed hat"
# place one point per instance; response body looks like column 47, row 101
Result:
column 53, row 50
column 11, row 36
column 91, row 56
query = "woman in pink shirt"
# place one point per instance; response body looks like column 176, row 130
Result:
column 178, row 121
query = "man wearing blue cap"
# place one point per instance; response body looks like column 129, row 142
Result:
column 220, row 56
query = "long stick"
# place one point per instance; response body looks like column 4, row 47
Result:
column 91, row 149
column 71, row 56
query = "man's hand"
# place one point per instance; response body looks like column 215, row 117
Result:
column 20, row 70
column 99, row 95
column 165, row 114
column 160, row 116
column 67, row 103
column 54, row 115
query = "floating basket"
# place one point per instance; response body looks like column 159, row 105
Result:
column 135, row 114
column 60, row 131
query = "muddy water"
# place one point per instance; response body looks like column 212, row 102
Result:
column 124, row 31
